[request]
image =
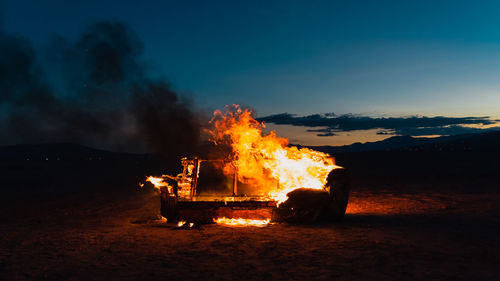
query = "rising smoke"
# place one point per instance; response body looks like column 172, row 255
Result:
column 103, row 96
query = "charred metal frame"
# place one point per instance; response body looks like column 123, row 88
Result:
column 195, row 173
column 303, row 205
column 189, row 206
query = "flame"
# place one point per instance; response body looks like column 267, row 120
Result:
column 241, row 222
column 158, row 182
column 266, row 163
column 265, row 160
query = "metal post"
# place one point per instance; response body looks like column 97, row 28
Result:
column 194, row 182
column 235, row 183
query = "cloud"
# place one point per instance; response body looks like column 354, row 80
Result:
column 330, row 124
column 325, row 132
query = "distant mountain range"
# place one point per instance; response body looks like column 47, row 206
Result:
column 391, row 163
column 69, row 151
column 488, row 140
column 57, row 151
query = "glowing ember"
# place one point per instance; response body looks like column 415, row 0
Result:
column 241, row 222
column 265, row 161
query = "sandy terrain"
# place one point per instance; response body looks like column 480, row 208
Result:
column 422, row 236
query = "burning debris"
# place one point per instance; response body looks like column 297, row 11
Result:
column 187, row 225
column 260, row 178
column 312, row 205
column 242, row 222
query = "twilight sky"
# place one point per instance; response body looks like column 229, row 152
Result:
column 368, row 58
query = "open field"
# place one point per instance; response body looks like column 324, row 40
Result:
column 412, row 216
column 390, row 236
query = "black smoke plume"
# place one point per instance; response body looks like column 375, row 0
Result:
column 102, row 95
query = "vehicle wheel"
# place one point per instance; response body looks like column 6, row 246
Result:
column 169, row 207
column 339, row 185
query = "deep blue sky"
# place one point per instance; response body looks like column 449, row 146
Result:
column 363, row 57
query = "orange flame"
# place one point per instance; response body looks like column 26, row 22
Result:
column 265, row 160
column 158, row 182
column 241, row 222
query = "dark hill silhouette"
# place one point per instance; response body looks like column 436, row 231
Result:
column 461, row 163
column 466, row 141
column 467, row 161
column 71, row 151
column 48, row 169
column 61, row 151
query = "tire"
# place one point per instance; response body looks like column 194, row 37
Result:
column 169, row 207
column 339, row 186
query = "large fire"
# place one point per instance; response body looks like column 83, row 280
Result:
column 261, row 160
column 265, row 160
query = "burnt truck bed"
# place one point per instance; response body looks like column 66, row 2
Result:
column 181, row 201
column 205, row 209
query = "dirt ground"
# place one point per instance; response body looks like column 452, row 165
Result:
column 384, row 236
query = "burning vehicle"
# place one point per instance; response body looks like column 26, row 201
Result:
column 260, row 179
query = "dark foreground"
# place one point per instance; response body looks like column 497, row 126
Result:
column 385, row 236
column 429, row 213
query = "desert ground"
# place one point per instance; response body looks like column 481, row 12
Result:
column 411, row 216
column 384, row 236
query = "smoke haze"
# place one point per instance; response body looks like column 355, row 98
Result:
column 104, row 97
